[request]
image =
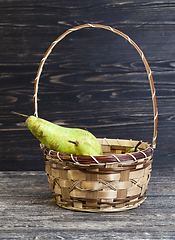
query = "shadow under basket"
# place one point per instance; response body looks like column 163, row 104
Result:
column 116, row 181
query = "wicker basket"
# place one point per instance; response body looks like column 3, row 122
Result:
column 117, row 180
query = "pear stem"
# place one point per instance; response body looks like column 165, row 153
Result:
column 20, row 114
column 76, row 143
column 137, row 146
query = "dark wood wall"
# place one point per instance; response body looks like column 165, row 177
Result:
column 93, row 79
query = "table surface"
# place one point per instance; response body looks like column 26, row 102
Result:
column 93, row 79
column 28, row 211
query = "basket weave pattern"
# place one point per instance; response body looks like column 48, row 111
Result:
column 112, row 186
column 117, row 180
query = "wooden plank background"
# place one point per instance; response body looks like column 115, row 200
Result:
column 93, row 78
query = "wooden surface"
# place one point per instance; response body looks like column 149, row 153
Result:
column 95, row 80
column 29, row 212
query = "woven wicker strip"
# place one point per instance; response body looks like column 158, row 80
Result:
column 116, row 181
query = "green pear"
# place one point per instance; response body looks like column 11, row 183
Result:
column 134, row 149
column 84, row 148
column 62, row 139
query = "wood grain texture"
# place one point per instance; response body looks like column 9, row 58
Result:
column 93, row 79
column 29, row 212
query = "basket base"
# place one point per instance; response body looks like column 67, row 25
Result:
column 104, row 210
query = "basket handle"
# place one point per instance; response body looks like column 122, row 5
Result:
column 149, row 73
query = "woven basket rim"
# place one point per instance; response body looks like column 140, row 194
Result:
column 88, row 160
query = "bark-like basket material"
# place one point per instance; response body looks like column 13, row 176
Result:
column 117, row 180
